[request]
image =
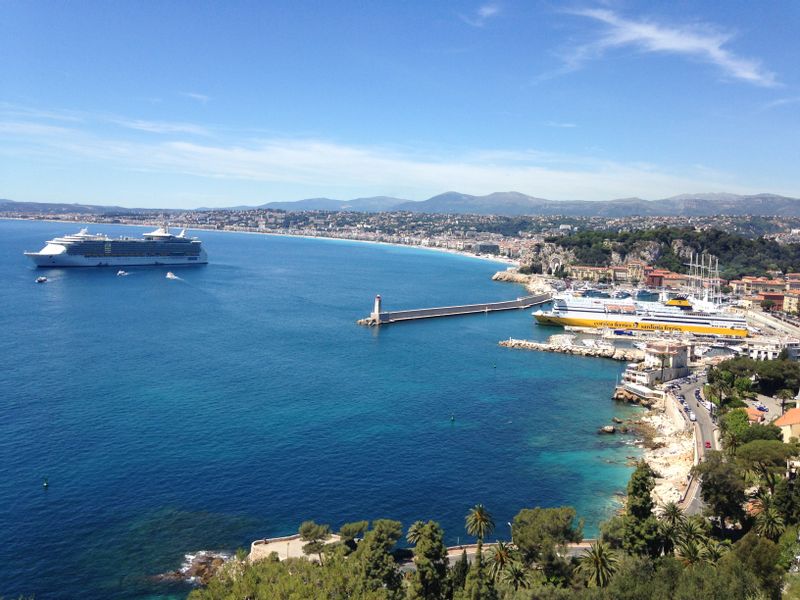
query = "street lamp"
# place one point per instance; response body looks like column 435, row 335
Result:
column 511, row 529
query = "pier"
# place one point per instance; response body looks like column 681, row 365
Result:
column 381, row 317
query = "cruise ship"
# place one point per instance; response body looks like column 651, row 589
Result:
column 676, row 315
column 84, row 249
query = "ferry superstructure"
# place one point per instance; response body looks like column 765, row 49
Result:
column 84, row 249
column 605, row 313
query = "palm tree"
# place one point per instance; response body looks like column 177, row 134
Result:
column 691, row 531
column 662, row 356
column 769, row 523
column 690, row 552
column 672, row 514
column 712, row 550
column 516, row 575
column 501, row 556
column 479, row 522
column 599, row 563
column 413, row 533
column 784, row 396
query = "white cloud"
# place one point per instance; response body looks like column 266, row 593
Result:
column 202, row 98
column 481, row 15
column 701, row 42
column 306, row 166
column 160, row 126
column 781, row 102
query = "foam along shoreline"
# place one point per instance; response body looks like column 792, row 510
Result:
column 669, row 450
column 495, row 259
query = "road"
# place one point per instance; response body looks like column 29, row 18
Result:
column 704, row 429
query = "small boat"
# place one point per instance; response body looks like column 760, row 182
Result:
column 171, row 275
column 122, row 273
column 41, row 279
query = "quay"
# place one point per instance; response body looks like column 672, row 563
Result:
column 381, row 317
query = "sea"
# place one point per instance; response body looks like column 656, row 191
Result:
column 235, row 402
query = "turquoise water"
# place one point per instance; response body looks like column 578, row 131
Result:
column 230, row 405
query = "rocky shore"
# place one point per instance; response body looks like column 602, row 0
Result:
column 669, row 450
column 535, row 284
column 623, row 354
column 198, row 568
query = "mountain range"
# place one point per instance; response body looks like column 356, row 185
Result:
column 498, row 203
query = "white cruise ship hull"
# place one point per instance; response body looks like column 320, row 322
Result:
column 610, row 314
column 74, row 260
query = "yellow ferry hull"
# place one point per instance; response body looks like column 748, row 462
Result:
column 546, row 319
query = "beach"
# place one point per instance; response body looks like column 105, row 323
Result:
column 668, row 449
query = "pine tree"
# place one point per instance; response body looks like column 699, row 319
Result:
column 429, row 581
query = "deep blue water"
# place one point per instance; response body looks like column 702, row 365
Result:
column 230, row 405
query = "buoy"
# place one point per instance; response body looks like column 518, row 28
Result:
column 452, row 418
column 45, row 484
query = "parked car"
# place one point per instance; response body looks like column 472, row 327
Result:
column 708, row 445
column 692, row 416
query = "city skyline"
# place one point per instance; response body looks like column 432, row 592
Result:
column 201, row 104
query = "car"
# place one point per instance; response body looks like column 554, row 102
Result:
column 692, row 416
column 708, row 445
column 686, row 409
column 762, row 408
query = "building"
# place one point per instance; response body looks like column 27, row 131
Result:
column 754, row 415
column 791, row 301
column 770, row 348
column 789, row 424
column 672, row 357
column 486, row 248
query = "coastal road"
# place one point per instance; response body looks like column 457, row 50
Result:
column 704, row 428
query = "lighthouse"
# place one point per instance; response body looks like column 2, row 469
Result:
column 376, row 310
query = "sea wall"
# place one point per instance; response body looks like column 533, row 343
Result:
column 623, row 354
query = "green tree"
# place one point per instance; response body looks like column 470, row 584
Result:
column 713, row 550
column 458, row 572
column 722, row 487
column 641, row 527
column 429, row 580
column 516, row 576
column 314, row 535
column 479, row 522
column 785, row 396
column 350, row 531
column 478, row 585
column 671, row 519
column 766, row 458
column 598, row 563
column 412, row 535
column 734, row 425
column 769, row 523
column 760, row 556
column 536, row 531
column 501, row 555
column 377, row 567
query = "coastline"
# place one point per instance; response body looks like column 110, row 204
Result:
column 669, row 450
column 495, row 259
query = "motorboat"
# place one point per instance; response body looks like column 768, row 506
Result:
column 41, row 279
column 121, row 273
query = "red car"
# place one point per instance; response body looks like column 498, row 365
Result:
column 708, row 445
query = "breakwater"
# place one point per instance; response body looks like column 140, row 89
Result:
column 380, row 317
column 624, row 354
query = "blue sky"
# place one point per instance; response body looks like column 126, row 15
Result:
column 186, row 104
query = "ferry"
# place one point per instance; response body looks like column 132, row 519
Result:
column 676, row 315
column 84, row 249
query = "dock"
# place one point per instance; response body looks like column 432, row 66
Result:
column 381, row 317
